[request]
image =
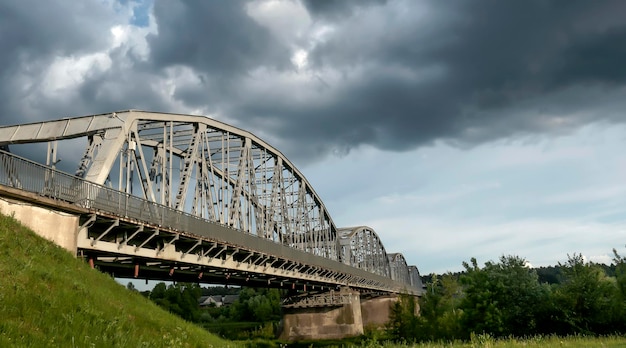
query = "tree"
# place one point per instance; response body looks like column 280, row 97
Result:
column 620, row 273
column 180, row 299
column 503, row 298
column 439, row 310
column 620, row 277
column 158, row 292
column 587, row 301
column 403, row 319
column 256, row 305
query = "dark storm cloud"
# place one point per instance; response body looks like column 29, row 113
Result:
column 214, row 37
column 495, row 58
column 336, row 9
column 36, row 30
column 32, row 35
column 392, row 74
column 470, row 72
column 599, row 58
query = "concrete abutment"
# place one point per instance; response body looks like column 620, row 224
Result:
column 59, row 227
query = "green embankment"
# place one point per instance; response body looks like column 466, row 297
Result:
column 483, row 341
column 48, row 298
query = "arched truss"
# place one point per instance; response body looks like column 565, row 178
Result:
column 399, row 268
column 197, row 165
column 214, row 171
column 415, row 278
column 361, row 248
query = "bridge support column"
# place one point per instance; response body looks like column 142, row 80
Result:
column 332, row 315
column 376, row 311
column 56, row 226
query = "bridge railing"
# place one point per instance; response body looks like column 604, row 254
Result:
column 45, row 181
column 33, row 177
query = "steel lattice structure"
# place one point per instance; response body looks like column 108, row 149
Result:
column 361, row 248
column 213, row 171
column 399, row 268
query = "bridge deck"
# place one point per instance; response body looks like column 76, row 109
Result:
column 125, row 234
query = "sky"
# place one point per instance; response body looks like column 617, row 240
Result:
column 455, row 129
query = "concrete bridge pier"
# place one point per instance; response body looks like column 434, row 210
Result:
column 376, row 311
column 331, row 315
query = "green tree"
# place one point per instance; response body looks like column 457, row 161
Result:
column 180, row 299
column 158, row 295
column 620, row 277
column 503, row 298
column 620, row 273
column 158, row 292
column 190, row 295
column 256, row 305
column 587, row 301
column 439, row 309
column 403, row 320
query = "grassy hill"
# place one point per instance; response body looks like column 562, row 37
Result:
column 48, row 298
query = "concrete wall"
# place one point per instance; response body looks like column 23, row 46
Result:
column 376, row 311
column 323, row 323
column 58, row 227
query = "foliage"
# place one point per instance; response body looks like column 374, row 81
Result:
column 503, row 298
column 439, row 309
column 180, row 299
column 220, row 290
column 256, row 305
column 548, row 275
column 620, row 271
column 620, row 279
column 255, row 314
column 48, row 298
column 403, row 319
column 506, row 299
column 586, row 300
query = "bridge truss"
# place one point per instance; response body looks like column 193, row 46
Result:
column 213, row 172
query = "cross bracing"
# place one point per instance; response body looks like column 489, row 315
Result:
column 211, row 170
column 399, row 268
column 415, row 278
column 361, row 247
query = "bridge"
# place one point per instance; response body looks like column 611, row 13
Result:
column 189, row 198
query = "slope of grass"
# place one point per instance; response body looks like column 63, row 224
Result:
column 486, row 341
column 48, row 298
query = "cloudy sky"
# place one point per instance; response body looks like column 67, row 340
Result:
column 455, row 129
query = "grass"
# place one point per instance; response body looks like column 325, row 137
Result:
column 48, row 298
column 486, row 341
column 479, row 341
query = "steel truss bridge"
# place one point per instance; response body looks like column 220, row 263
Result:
column 169, row 196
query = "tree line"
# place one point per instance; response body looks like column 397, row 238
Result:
column 254, row 308
column 508, row 299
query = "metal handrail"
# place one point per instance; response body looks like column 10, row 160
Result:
column 33, row 177
column 30, row 176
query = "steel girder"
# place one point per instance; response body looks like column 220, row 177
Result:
column 415, row 278
column 215, row 171
column 399, row 268
column 361, row 248
column 197, row 165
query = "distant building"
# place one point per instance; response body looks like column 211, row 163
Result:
column 217, row 300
